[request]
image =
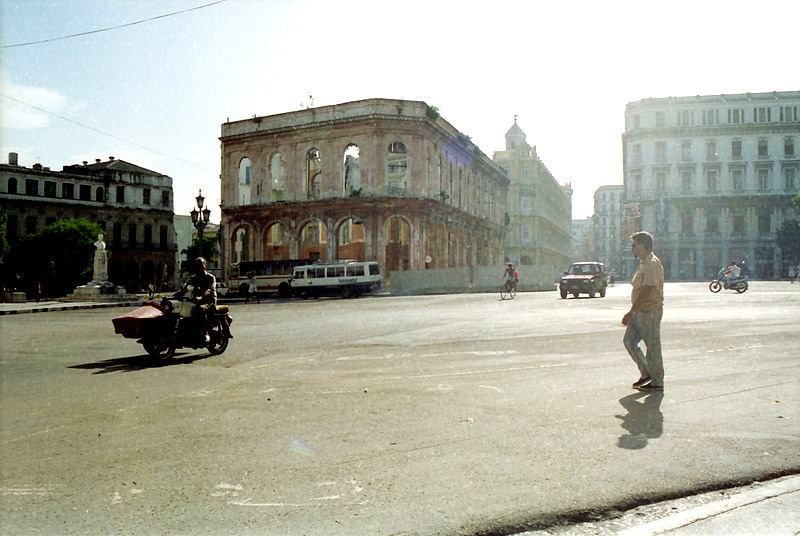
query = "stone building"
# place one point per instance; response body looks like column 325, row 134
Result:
column 377, row 179
column 583, row 247
column 712, row 177
column 609, row 240
column 132, row 204
column 539, row 208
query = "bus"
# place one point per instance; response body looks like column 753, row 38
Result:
column 349, row 279
column 271, row 276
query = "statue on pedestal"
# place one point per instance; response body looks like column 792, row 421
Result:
column 100, row 274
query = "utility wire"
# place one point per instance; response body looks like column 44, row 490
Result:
column 146, row 148
column 114, row 27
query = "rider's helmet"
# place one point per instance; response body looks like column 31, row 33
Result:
column 200, row 264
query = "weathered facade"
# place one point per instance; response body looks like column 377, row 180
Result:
column 378, row 179
column 133, row 205
column 539, row 208
column 713, row 178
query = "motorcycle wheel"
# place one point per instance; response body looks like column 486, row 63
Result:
column 714, row 286
column 160, row 349
column 219, row 337
column 741, row 288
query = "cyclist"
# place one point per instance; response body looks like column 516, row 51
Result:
column 510, row 277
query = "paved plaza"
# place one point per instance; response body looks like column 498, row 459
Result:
column 452, row 414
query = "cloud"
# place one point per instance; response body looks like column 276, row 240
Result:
column 26, row 107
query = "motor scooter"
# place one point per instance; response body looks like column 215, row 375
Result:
column 177, row 322
column 739, row 285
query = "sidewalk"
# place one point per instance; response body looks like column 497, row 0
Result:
column 45, row 306
column 762, row 508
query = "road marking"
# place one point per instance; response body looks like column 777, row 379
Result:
column 491, row 387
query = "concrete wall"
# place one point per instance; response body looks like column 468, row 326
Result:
column 469, row 279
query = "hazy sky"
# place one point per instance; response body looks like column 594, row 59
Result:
column 156, row 93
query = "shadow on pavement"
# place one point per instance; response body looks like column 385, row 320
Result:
column 644, row 420
column 138, row 362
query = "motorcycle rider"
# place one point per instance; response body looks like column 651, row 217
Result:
column 732, row 274
column 203, row 292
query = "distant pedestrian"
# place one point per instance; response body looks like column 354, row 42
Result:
column 151, row 291
column 252, row 289
column 643, row 321
column 792, row 274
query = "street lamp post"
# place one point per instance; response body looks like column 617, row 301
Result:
column 200, row 217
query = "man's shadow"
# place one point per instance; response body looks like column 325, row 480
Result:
column 643, row 421
column 138, row 362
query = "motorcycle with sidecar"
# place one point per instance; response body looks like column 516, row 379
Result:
column 176, row 322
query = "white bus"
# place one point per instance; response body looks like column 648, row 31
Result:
column 349, row 279
column 271, row 276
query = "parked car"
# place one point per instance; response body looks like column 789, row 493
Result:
column 222, row 290
column 584, row 278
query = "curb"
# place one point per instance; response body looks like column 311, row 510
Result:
column 67, row 307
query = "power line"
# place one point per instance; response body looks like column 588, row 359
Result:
column 113, row 27
column 67, row 119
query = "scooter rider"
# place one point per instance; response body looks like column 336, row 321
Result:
column 732, row 274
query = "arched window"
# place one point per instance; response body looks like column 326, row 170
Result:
column 352, row 170
column 313, row 174
column 397, row 166
column 245, row 179
column 12, row 185
column 99, row 194
column 277, row 172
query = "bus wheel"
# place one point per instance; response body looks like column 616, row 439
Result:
column 346, row 293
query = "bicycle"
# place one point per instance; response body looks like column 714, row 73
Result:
column 508, row 290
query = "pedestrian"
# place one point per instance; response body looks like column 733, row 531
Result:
column 792, row 274
column 643, row 321
column 252, row 289
column 151, row 291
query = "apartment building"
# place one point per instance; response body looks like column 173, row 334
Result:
column 712, row 177
column 539, row 209
column 132, row 204
column 609, row 241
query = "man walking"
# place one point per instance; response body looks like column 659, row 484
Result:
column 643, row 321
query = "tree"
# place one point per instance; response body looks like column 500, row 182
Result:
column 788, row 239
column 3, row 238
column 60, row 256
column 207, row 248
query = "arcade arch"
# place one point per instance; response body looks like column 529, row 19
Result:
column 276, row 242
column 397, row 237
column 313, row 238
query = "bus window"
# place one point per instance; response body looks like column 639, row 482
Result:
column 299, row 274
column 374, row 270
column 335, row 271
column 316, row 272
column 355, row 270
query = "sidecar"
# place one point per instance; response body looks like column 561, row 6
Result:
column 140, row 322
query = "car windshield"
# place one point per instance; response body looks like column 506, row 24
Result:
column 580, row 269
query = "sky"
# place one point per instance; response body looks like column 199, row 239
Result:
column 155, row 90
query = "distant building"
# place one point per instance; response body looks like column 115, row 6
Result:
column 608, row 238
column 132, row 204
column 539, row 209
column 379, row 179
column 583, row 247
column 712, row 177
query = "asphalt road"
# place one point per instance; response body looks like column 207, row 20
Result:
column 457, row 414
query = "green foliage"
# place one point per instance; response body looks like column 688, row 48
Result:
column 60, row 256
column 3, row 238
column 207, row 248
column 432, row 112
column 788, row 240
